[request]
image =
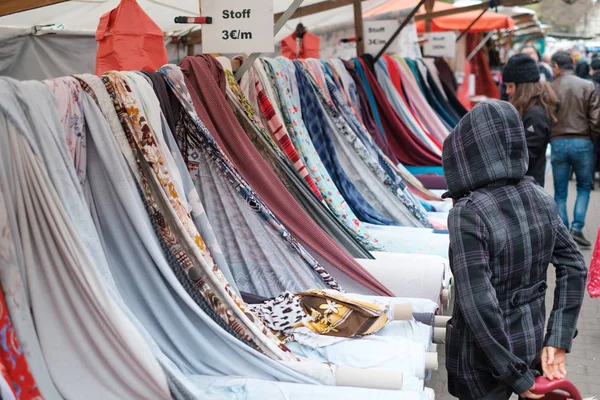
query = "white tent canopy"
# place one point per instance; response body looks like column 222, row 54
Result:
column 83, row 15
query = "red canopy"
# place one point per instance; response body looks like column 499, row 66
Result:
column 128, row 39
column 458, row 22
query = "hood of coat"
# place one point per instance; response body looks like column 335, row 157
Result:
column 487, row 148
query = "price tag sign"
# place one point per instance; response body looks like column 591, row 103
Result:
column 238, row 26
column 440, row 44
column 377, row 33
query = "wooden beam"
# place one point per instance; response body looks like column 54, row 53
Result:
column 317, row 8
column 428, row 11
column 8, row 7
column 451, row 11
column 358, row 28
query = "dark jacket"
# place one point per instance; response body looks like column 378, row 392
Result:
column 504, row 232
column 538, row 128
column 579, row 111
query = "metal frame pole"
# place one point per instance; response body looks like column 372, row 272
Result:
column 463, row 33
column 278, row 25
column 402, row 25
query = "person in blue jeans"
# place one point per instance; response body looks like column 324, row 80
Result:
column 578, row 123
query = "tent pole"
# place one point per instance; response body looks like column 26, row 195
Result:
column 480, row 45
column 463, row 33
column 278, row 25
column 428, row 10
column 358, row 28
column 402, row 25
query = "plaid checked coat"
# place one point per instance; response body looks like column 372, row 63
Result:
column 504, row 232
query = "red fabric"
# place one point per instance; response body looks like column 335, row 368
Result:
column 394, row 71
column 278, row 132
column 128, row 40
column 463, row 89
column 202, row 73
column 311, row 44
column 13, row 365
column 367, row 114
column 485, row 84
column 409, row 149
column 593, row 285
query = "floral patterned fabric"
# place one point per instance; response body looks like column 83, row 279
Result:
column 385, row 176
column 70, row 109
column 197, row 261
column 13, row 364
column 282, row 73
column 276, row 126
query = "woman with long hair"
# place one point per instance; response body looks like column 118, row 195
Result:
column 536, row 103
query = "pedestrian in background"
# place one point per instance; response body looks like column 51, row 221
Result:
column 536, row 103
column 504, row 232
column 578, row 123
column 546, row 74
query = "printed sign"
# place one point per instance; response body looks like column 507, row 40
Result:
column 440, row 44
column 238, row 26
column 377, row 33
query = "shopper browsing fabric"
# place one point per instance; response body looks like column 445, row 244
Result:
column 545, row 72
column 536, row 103
column 572, row 147
column 504, row 232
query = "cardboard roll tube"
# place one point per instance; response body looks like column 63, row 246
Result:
column 446, row 296
column 431, row 361
column 440, row 321
column 439, row 335
column 368, row 378
column 402, row 312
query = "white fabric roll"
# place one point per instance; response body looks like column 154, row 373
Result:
column 409, row 275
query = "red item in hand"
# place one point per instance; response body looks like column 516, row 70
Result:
column 557, row 389
column 593, row 285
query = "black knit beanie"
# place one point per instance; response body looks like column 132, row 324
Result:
column 521, row 68
column 596, row 64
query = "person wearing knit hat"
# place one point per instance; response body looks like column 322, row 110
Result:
column 595, row 72
column 536, row 103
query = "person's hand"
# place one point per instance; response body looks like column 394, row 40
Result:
column 530, row 395
column 553, row 363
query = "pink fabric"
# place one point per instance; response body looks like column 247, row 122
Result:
column 204, row 78
column 421, row 107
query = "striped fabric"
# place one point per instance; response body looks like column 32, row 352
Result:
column 504, row 232
column 278, row 131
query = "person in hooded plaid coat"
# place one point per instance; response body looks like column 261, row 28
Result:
column 504, row 232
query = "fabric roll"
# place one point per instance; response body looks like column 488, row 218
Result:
column 240, row 150
column 288, row 175
column 284, row 80
column 367, row 114
column 15, row 375
column 65, row 290
column 193, row 342
column 256, row 83
column 227, row 388
column 262, row 262
column 178, row 229
column 402, row 109
column 364, row 170
column 406, row 147
column 318, row 127
column 367, row 150
column 190, row 194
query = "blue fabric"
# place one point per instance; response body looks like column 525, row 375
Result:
column 372, row 102
column 318, row 128
column 433, row 102
column 416, row 170
column 577, row 154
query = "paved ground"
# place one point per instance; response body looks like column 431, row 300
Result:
column 583, row 364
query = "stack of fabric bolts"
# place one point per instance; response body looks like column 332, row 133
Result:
column 178, row 234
